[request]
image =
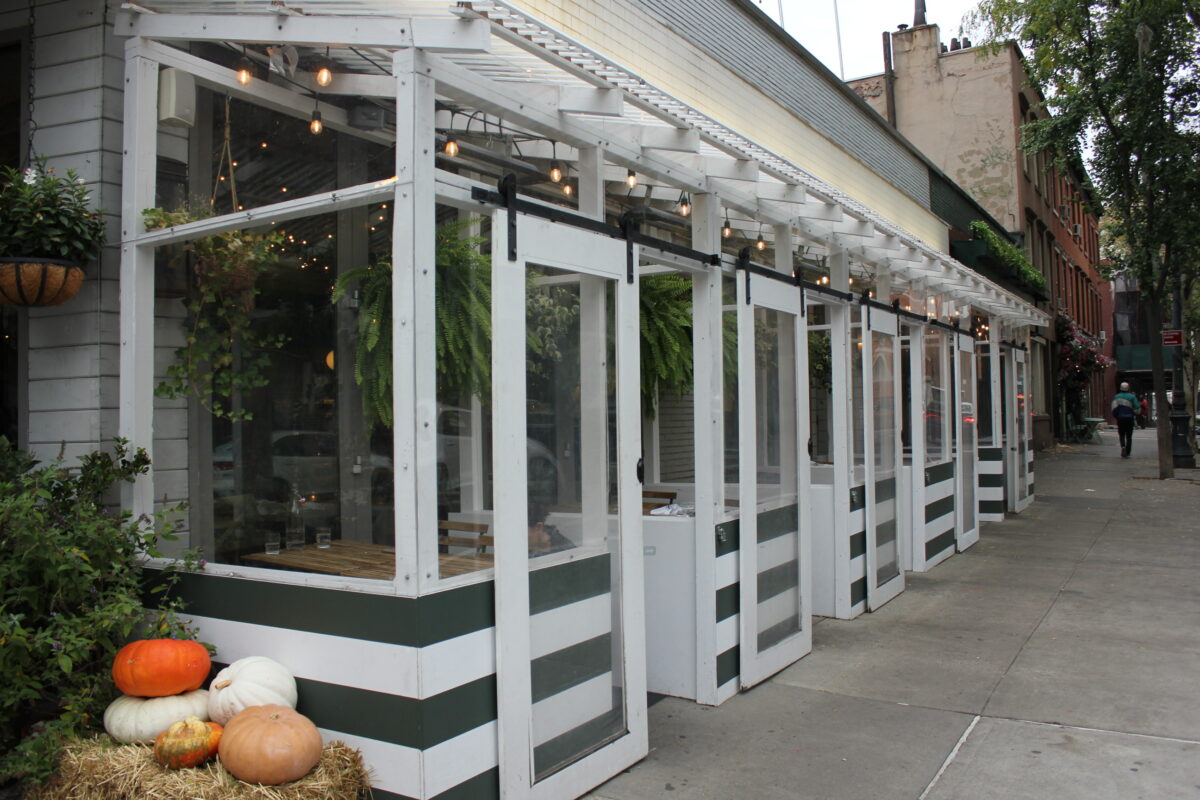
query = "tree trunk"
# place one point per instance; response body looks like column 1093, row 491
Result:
column 1166, row 462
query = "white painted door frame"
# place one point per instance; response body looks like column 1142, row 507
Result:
column 876, row 320
column 968, row 462
column 573, row 249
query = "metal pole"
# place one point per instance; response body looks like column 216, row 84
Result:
column 1181, row 451
column 837, row 25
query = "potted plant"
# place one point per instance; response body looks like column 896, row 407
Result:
column 224, row 353
column 48, row 231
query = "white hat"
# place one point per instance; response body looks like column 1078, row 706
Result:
column 1124, row 387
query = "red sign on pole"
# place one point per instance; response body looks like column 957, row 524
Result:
column 1172, row 338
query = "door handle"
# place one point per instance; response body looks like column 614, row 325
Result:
column 641, row 470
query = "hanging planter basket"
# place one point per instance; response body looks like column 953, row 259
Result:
column 36, row 281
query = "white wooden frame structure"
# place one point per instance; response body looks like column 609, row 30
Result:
column 605, row 121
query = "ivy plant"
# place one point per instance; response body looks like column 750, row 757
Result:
column 1009, row 256
column 71, row 595
column 224, row 353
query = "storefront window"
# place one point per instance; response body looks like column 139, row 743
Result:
column 858, row 443
column 257, row 375
column 983, row 395
column 729, row 347
column 820, row 386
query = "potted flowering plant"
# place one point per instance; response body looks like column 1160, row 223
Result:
column 48, row 231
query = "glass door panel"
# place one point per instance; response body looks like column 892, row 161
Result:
column 969, row 527
column 887, row 558
column 1022, row 429
column 576, row 670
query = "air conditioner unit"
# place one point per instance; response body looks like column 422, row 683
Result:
column 1078, row 230
column 1103, row 336
column 1064, row 211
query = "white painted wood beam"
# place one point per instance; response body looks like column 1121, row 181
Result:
column 582, row 100
column 432, row 35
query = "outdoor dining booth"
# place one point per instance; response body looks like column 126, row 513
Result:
column 382, row 295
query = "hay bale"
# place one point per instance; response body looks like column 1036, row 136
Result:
column 98, row 769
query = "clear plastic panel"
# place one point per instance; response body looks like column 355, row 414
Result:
column 1022, row 410
column 778, row 589
column 969, row 424
column 729, row 348
column 935, row 398
column 883, row 373
column 858, row 444
column 577, row 678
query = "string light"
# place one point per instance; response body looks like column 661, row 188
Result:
column 451, row 146
column 323, row 74
column 631, row 179
column 245, row 69
column 726, row 229
column 316, row 125
column 760, row 243
column 567, row 189
column 685, row 204
column 556, row 173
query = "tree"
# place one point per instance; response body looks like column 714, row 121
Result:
column 1121, row 76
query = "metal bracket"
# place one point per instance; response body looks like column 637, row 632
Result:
column 743, row 263
column 508, row 198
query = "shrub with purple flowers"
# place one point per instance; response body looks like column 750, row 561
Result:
column 71, row 595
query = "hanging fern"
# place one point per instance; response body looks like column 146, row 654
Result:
column 373, row 349
column 463, row 314
column 665, row 319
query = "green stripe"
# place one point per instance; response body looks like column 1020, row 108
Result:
column 1030, row 490
column 858, row 498
column 939, row 473
column 380, row 794
column 409, row 621
column 404, row 721
column 939, row 508
column 858, row 544
column 939, row 543
column 778, row 579
column 484, row 786
column 885, row 490
column 991, row 506
column 778, row 632
column 567, row 747
column 991, row 454
column 727, row 537
column 728, row 601
column 778, row 522
column 858, row 591
column 885, row 532
column 728, row 665
column 561, row 585
column 556, row 672
column 991, row 481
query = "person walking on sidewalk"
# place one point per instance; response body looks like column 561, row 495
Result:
column 1125, row 407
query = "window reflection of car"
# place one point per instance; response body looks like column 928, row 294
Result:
column 304, row 462
column 454, row 440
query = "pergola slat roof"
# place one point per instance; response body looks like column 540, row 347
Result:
column 523, row 57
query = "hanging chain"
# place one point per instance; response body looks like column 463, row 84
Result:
column 29, row 154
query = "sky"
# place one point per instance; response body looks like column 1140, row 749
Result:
column 862, row 24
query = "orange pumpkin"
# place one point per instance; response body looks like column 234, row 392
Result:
column 270, row 745
column 160, row 667
column 187, row 743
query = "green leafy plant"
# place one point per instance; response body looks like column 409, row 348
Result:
column 665, row 319
column 70, row 597
column 1009, row 257
column 373, row 347
column 1079, row 358
column 224, row 354
column 45, row 214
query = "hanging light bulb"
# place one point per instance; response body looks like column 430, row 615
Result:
column 760, row 243
column 451, row 146
column 726, row 229
column 631, row 179
column 556, row 173
column 316, row 126
column 323, row 74
column 245, row 70
column 685, row 204
column 568, row 190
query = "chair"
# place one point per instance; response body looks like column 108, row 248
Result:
column 470, row 535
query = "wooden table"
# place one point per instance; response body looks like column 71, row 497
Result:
column 361, row 560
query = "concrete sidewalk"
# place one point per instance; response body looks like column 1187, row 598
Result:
column 1058, row 658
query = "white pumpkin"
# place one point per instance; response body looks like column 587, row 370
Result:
column 251, row 681
column 141, row 719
